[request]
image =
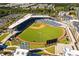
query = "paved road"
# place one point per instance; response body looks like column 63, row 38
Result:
column 9, row 36
column 72, row 38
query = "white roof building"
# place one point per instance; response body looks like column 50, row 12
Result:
column 69, row 52
column 20, row 21
column 21, row 52
column 59, row 48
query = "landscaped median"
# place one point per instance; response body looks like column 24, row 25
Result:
column 48, row 50
column 3, row 36
column 64, row 41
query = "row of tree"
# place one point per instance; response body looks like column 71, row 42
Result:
column 53, row 11
column 50, row 11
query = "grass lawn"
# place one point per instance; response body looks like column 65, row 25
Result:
column 3, row 36
column 32, row 46
column 7, row 43
column 50, row 49
column 64, row 41
column 42, row 34
column 13, row 42
column 11, row 48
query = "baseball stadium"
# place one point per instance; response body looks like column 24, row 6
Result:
column 39, row 31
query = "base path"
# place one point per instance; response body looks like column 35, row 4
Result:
column 38, row 27
column 19, row 38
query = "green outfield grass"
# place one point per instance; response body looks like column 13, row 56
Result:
column 42, row 34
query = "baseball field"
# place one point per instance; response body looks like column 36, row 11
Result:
column 40, row 32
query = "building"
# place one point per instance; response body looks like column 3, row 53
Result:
column 70, row 52
column 24, row 45
column 20, row 52
column 64, row 16
column 59, row 48
column 75, row 28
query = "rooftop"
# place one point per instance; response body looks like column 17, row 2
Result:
column 20, row 21
column 70, row 52
column 76, row 24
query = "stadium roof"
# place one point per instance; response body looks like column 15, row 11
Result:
column 20, row 21
column 26, row 17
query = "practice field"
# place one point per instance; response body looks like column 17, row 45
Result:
column 41, row 32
